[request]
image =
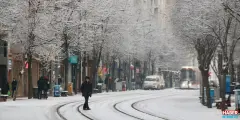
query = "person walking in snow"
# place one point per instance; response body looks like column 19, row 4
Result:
column 40, row 84
column 46, row 86
column 14, row 86
column 86, row 90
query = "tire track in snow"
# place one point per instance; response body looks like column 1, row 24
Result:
column 91, row 117
column 63, row 105
column 133, row 105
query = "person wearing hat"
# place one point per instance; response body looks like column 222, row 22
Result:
column 86, row 90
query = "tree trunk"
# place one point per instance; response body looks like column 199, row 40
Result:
column 204, row 77
column 238, row 73
column 149, row 67
column 135, row 66
column 124, row 69
column 219, row 68
column 66, row 62
column 152, row 67
column 206, row 84
column 119, row 69
column 94, row 68
column 231, row 70
column 203, row 96
column 66, row 74
column 79, row 71
column 129, row 74
column 50, row 77
column 145, row 68
column 113, row 73
column 30, row 87
column 84, row 66
column 223, row 92
column 96, row 65
column 135, row 74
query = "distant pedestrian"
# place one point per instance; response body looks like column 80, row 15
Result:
column 14, row 86
column 86, row 90
column 46, row 86
column 40, row 84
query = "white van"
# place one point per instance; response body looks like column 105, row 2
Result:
column 154, row 82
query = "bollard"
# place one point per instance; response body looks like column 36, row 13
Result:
column 212, row 95
column 56, row 91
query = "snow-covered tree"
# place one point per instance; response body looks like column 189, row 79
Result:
column 27, row 22
column 191, row 19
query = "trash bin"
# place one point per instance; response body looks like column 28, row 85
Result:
column 35, row 92
column 56, row 91
column 212, row 95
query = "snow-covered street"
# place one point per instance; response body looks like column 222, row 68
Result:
column 168, row 104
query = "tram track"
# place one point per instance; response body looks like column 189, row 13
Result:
column 85, row 115
column 61, row 106
column 81, row 105
column 88, row 117
column 133, row 107
column 151, row 114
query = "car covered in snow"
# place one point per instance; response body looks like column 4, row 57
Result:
column 154, row 82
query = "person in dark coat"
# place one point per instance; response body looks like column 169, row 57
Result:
column 40, row 84
column 14, row 86
column 46, row 87
column 86, row 89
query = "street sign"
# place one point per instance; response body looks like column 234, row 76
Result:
column 73, row 59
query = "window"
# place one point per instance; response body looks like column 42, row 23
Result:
column 150, row 79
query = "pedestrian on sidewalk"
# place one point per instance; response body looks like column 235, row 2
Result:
column 40, row 84
column 86, row 90
column 46, row 86
column 14, row 86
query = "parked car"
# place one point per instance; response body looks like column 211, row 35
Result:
column 154, row 82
